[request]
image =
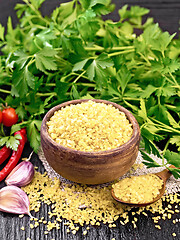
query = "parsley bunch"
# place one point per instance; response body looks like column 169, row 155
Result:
column 74, row 53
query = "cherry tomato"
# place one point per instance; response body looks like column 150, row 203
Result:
column 0, row 116
column 9, row 117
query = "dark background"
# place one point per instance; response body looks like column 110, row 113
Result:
column 165, row 12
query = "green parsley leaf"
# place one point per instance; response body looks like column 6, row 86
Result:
column 164, row 40
column 11, row 142
column 22, row 80
column 123, row 77
column 175, row 140
column 1, row 32
column 172, row 158
column 36, row 3
column 80, row 65
column 148, row 161
column 175, row 172
column 96, row 70
column 146, row 93
column 33, row 134
column 22, row 58
column 142, row 112
column 45, row 59
column 165, row 65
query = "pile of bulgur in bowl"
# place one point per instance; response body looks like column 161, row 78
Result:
column 90, row 141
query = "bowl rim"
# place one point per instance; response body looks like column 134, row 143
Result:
column 135, row 136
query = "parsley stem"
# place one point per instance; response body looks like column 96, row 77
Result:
column 5, row 91
column 50, row 84
column 130, row 98
column 173, row 78
column 86, row 84
column 80, row 75
column 166, row 146
column 144, row 124
column 89, row 92
column 99, row 48
column 34, row 25
column 46, row 94
column 30, row 62
column 119, row 53
column 149, row 64
column 165, row 127
column 2, row 131
column 36, row 11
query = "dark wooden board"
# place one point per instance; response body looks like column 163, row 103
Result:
column 10, row 225
column 167, row 14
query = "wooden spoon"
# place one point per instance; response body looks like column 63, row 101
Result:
column 164, row 175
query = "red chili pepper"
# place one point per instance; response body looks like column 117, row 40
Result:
column 14, row 159
column 4, row 154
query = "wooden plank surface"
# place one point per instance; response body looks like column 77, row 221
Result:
column 10, row 225
column 167, row 13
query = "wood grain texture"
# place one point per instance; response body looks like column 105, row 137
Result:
column 167, row 13
column 164, row 12
column 10, row 225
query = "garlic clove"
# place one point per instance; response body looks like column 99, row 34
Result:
column 14, row 200
column 21, row 175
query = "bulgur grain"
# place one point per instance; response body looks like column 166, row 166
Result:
column 84, row 232
column 66, row 199
column 157, row 226
column 90, row 126
column 31, row 226
column 138, row 189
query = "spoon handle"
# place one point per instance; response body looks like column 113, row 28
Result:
column 165, row 174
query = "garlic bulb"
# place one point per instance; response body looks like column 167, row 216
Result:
column 14, row 200
column 21, row 175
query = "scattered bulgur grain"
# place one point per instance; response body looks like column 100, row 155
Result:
column 36, row 224
column 22, row 228
column 174, row 234
column 84, row 232
column 74, row 231
column 169, row 216
column 31, row 226
column 21, row 215
column 90, row 126
column 66, row 199
column 145, row 214
column 134, row 224
column 157, row 226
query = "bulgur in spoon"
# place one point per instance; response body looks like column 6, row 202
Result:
column 140, row 191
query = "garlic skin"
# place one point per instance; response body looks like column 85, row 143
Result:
column 14, row 200
column 21, row 175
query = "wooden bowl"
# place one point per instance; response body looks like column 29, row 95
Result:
column 90, row 167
